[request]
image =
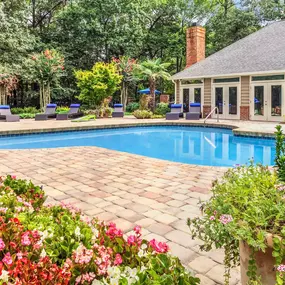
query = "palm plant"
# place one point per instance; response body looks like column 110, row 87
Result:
column 152, row 71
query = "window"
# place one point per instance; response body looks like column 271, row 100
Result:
column 225, row 80
column 268, row 77
column 184, row 82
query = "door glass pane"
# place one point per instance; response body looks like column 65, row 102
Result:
column 276, row 91
column 219, row 99
column 233, row 100
column 186, row 100
column 197, row 95
column 259, row 100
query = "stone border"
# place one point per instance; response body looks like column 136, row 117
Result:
column 234, row 128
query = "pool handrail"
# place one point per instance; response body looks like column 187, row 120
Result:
column 212, row 111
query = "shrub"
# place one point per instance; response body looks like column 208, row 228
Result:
column 157, row 116
column 142, row 114
column 98, row 83
column 59, row 245
column 247, row 205
column 132, row 107
column 25, row 110
column 62, row 109
column 280, row 153
column 162, row 109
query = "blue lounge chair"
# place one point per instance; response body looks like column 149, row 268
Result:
column 49, row 113
column 118, row 111
column 175, row 110
column 6, row 115
column 71, row 114
column 194, row 111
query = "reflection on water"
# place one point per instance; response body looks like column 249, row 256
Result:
column 203, row 146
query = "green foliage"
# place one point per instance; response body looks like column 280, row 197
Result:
column 162, row 109
column 235, row 26
column 144, row 102
column 76, row 245
column 98, row 83
column 131, row 107
column 280, row 153
column 154, row 116
column 25, row 110
column 142, row 114
column 62, row 109
column 85, row 118
column 247, row 205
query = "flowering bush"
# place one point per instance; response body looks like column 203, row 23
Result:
column 247, row 205
column 47, row 68
column 58, row 245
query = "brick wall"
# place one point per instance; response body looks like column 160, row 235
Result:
column 195, row 45
column 244, row 113
column 206, row 110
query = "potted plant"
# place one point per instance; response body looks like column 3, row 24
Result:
column 246, row 217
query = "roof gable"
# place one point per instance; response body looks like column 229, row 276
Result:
column 262, row 51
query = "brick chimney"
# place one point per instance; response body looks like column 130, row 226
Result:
column 195, row 44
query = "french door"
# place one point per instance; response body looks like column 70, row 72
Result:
column 192, row 94
column 266, row 102
column 227, row 100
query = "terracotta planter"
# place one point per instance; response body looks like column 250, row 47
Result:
column 264, row 260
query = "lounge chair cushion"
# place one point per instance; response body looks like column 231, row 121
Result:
column 195, row 105
column 176, row 106
column 74, row 105
column 118, row 105
column 51, row 106
column 4, row 107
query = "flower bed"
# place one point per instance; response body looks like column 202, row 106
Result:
column 58, row 245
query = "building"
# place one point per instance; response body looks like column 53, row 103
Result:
column 245, row 80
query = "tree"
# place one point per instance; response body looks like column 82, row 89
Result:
column 266, row 10
column 152, row 71
column 47, row 68
column 16, row 41
column 125, row 66
column 237, row 25
column 98, row 83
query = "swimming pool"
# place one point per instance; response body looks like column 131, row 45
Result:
column 192, row 145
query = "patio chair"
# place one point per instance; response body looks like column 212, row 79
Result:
column 194, row 111
column 6, row 115
column 118, row 111
column 49, row 113
column 71, row 114
column 175, row 110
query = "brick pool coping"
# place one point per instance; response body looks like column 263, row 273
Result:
column 122, row 123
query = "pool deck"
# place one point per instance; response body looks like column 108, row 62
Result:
column 247, row 128
column 126, row 188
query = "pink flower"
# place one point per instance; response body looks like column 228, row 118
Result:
column 7, row 259
column 25, row 239
column 225, row 219
column 118, row 259
column 2, row 244
column 281, row 268
column 19, row 255
column 137, row 229
column 13, row 177
column 160, row 247
column 212, row 218
column 132, row 240
column 113, row 232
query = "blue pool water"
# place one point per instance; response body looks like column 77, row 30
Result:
column 192, row 145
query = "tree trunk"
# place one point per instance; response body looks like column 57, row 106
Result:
column 152, row 94
column 124, row 94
